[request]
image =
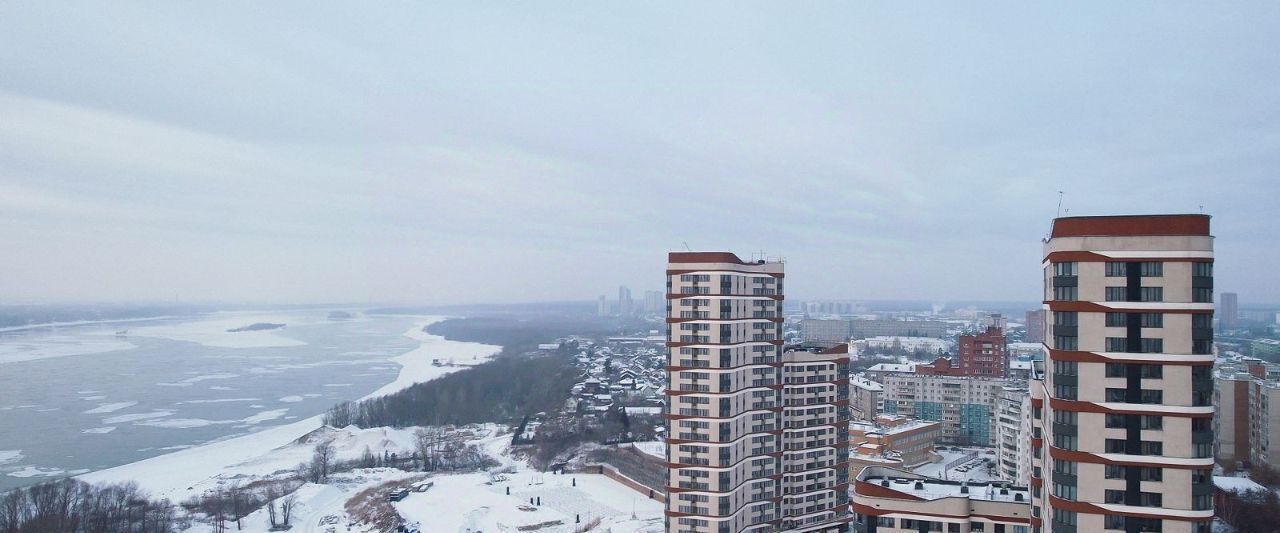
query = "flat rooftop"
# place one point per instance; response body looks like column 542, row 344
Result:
column 934, row 489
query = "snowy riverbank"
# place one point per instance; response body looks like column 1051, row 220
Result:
column 177, row 475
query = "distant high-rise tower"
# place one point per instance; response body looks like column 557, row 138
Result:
column 625, row 304
column 983, row 354
column 1123, row 436
column 654, row 303
column 1230, row 310
column 1035, row 325
column 602, row 306
column 758, row 437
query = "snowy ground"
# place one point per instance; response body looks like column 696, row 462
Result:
column 186, row 472
column 976, row 473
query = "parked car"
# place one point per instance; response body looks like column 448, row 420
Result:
column 398, row 495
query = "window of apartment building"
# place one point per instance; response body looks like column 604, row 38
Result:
column 1066, row 318
column 1117, row 269
column 1064, row 342
column 1064, row 269
column 1201, row 295
column 1065, row 392
column 1144, row 473
column 1201, row 502
column 1146, row 320
column 1066, row 467
column 1151, row 294
column 1066, row 518
column 1147, row 396
column 1203, row 449
column 1152, row 345
column 885, row 521
column 1065, row 294
column 1202, row 269
column 1116, row 294
column 1066, row 418
column 1066, row 492
column 1145, row 448
column 1065, row 442
column 1113, row 521
column 1117, row 344
column 1145, row 499
column 1066, row 368
column 1151, row 269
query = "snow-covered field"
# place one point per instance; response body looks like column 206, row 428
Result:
column 183, row 473
column 471, row 503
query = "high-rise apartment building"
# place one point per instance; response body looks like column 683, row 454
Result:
column 1122, row 435
column 1230, row 310
column 983, row 354
column 1035, row 326
column 758, row 436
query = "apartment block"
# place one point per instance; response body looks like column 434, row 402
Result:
column 983, row 354
column 1035, row 326
column 966, row 406
column 1013, row 435
column 758, row 435
column 889, row 500
column 826, row 333
column 1246, row 399
column 1122, row 436
column 865, row 397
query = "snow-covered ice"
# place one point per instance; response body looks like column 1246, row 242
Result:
column 10, row 456
column 265, row 416
column 31, row 348
column 99, row 431
column 136, row 417
column 109, row 408
column 291, row 399
column 173, row 475
column 212, row 330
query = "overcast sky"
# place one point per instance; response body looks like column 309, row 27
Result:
column 502, row 152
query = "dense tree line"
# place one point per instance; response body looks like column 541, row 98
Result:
column 519, row 334
column 501, row 390
column 73, row 506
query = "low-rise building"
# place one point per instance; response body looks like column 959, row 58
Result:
column 906, row 441
column 889, row 500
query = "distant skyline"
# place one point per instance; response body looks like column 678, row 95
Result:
column 411, row 153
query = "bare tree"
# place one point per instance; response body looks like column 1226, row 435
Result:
column 286, row 507
column 322, row 462
column 271, row 507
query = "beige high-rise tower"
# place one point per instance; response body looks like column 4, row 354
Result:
column 1122, row 434
column 757, row 435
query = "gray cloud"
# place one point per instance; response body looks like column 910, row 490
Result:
column 293, row 152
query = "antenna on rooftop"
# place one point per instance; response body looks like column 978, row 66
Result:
column 686, row 246
column 1060, row 203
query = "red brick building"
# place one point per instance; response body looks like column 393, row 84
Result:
column 984, row 354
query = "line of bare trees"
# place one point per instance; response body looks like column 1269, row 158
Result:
column 73, row 506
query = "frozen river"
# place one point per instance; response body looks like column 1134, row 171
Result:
column 83, row 398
